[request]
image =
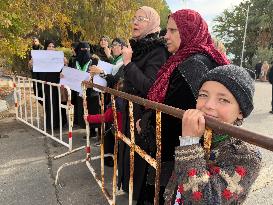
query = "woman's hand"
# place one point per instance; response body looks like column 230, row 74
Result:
column 94, row 70
column 96, row 57
column 193, row 123
column 61, row 75
column 138, row 126
column 127, row 53
column 107, row 52
column 65, row 61
column 86, row 83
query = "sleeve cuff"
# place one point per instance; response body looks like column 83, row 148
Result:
column 188, row 140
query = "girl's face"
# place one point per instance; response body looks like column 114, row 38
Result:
column 50, row 47
column 216, row 101
column 172, row 36
column 140, row 24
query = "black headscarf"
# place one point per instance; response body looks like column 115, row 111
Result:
column 83, row 56
column 47, row 42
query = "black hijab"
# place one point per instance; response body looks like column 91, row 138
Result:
column 83, row 56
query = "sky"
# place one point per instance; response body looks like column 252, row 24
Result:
column 208, row 9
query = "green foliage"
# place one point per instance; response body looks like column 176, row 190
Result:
column 263, row 54
column 67, row 51
column 230, row 27
column 64, row 21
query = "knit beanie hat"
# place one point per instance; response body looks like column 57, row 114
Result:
column 238, row 81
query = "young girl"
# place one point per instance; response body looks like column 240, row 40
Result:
column 224, row 172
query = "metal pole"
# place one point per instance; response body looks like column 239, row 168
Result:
column 242, row 56
column 219, row 127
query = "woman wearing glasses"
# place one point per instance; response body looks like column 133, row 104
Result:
column 143, row 57
column 116, row 59
column 117, row 73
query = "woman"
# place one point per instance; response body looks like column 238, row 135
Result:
column 142, row 60
column 116, row 60
column 83, row 63
column 53, row 77
column 111, row 79
column 102, row 51
column 193, row 55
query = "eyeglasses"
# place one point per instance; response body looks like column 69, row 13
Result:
column 115, row 44
column 139, row 19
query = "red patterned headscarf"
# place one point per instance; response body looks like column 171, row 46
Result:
column 195, row 38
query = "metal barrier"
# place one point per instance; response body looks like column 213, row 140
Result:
column 237, row 132
column 28, row 111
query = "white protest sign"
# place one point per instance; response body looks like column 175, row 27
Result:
column 47, row 61
column 73, row 78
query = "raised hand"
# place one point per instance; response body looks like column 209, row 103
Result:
column 127, row 53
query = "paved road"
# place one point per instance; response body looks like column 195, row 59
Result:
column 261, row 121
column 27, row 170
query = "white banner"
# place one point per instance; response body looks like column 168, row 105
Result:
column 47, row 61
column 73, row 78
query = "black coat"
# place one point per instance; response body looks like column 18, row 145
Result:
column 270, row 76
column 182, row 92
column 139, row 76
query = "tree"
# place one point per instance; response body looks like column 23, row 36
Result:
column 230, row 28
column 263, row 54
column 64, row 21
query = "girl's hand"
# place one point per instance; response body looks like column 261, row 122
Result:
column 193, row 123
column 127, row 53
column 61, row 75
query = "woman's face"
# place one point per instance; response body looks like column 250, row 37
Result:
column 103, row 42
column 140, row 23
column 172, row 36
column 216, row 101
column 116, row 49
column 50, row 47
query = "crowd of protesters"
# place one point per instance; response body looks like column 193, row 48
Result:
column 183, row 69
